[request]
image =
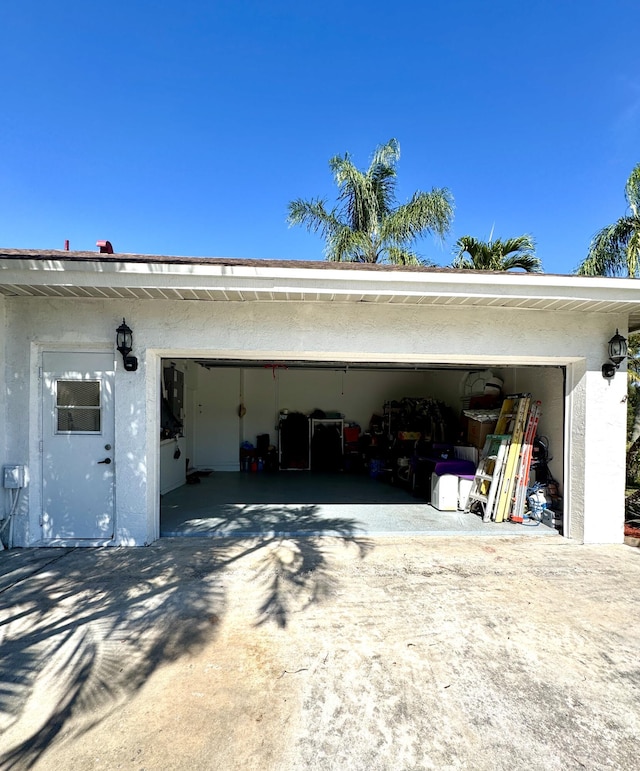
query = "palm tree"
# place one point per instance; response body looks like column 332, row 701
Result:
column 615, row 250
column 496, row 254
column 633, row 411
column 366, row 225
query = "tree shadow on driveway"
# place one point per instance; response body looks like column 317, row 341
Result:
column 82, row 630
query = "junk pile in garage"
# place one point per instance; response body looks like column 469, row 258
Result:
column 489, row 460
column 501, row 489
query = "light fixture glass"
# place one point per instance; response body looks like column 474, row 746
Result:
column 617, row 354
column 124, row 344
column 617, row 349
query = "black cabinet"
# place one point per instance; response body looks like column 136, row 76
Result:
column 327, row 444
column 293, row 434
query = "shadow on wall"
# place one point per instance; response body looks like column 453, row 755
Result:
column 84, row 629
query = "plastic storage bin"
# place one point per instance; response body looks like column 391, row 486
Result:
column 444, row 492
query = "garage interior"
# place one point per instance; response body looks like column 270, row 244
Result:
column 295, row 447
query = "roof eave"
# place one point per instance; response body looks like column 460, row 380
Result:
column 59, row 273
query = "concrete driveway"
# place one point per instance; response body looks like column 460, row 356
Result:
column 320, row 653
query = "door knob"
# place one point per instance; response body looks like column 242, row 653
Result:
column 106, row 460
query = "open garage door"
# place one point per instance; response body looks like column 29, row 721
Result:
column 302, row 421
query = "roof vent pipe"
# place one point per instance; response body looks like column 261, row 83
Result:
column 66, row 245
column 105, row 247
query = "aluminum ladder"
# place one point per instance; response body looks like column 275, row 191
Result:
column 486, row 481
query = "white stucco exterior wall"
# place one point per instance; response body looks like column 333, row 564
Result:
column 594, row 482
column 605, row 460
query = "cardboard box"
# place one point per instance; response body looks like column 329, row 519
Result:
column 479, row 430
column 409, row 436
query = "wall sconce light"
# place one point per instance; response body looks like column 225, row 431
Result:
column 617, row 354
column 124, row 343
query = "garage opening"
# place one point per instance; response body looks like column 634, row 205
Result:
column 299, row 446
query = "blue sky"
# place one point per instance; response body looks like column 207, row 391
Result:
column 186, row 127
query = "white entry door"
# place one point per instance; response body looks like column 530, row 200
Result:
column 78, row 472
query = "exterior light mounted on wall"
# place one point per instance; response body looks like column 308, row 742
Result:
column 124, row 343
column 617, row 354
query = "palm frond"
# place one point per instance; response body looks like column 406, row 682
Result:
column 347, row 245
column 523, row 243
column 510, row 254
column 463, row 263
column 401, row 256
column 614, row 250
column 632, row 191
column 313, row 215
column 382, row 175
column 469, row 253
column 358, row 200
column 527, row 262
column 424, row 213
column 383, row 189
column 633, row 358
column 385, row 156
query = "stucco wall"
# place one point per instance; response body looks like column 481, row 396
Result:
column 217, row 434
column 362, row 332
column 605, row 435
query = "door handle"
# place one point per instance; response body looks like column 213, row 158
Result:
column 106, row 460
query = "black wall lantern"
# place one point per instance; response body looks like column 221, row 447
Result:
column 617, row 354
column 124, row 343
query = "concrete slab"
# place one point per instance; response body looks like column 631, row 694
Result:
column 320, row 653
column 305, row 503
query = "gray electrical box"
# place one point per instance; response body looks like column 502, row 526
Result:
column 13, row 477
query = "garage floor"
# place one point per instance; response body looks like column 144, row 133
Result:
column 304, row 503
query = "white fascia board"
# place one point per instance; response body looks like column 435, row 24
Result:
column 283, row 281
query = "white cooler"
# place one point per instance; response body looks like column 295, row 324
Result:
column 444, row 492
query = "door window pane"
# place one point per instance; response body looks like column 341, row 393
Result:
column 78, row 406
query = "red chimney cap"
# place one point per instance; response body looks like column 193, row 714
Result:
column 105, row 247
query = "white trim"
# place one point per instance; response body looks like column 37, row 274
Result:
column 237, row 282
column 567, row 486
column 154, row 384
